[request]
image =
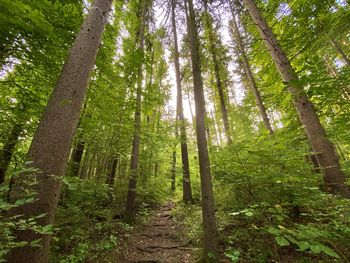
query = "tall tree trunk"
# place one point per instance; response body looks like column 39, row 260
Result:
column 77, row 156
column 173, row 171
column 216, row 63
column 49, row 150
column 111, row 172
column 7, row 150
column 130, row 207
column 323, row 148
column 218, row 139
column 341, row 52
column 210, row 241
column 187, row 192
column 249, row 72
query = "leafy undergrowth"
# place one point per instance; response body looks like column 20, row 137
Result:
column 89, row 222
column 270, row 207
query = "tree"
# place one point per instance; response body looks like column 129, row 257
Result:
column 210, row 241
column 248, row 71
column 49, row 150
column 130, row 207
column 187, row 193
column 323, row 148
column 218, row 81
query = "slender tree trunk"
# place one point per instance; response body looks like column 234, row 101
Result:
column 187, row 192
column 112, row 171
column 249, row 72
column 216, row 63
column 210, row 241
column 77, row 156
column 130, row 207
column 7, row 151
column 218, row 140
column 49, row 150
column 323, row 148
column 173, row 171
column 341, row 52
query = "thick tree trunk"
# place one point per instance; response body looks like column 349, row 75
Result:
column 130, row 207
column 7, row 151
column 249, row 72
column 210, row 241
column 323, row 148
column 187, row 192
column 49, row 150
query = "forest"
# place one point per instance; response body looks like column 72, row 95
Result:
column 150, row 131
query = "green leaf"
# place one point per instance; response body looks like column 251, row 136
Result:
column 315, row 248
column 274, row 231
column 282, row 241
column 303, row 245
column 291, row 239
column 329, row 251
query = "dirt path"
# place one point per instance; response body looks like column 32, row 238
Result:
column 158, row 242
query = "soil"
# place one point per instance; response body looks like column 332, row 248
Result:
column 160, row 241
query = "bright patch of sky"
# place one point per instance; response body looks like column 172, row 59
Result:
column 283, row 10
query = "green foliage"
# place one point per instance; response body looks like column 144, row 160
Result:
column 10, row 223
column 85, row 220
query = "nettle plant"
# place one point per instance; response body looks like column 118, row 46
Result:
column 11, row 223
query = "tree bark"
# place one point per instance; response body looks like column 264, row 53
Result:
column 216, row 63
column 130, row 207
column 186, row 192
column 249, row 72
column 323, row 148
column 210, row 241
column 49, row 150
column 7, row 151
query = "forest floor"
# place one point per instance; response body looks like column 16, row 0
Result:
column 158, row 241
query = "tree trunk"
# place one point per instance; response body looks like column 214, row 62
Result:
column 210, row 241
column 219, row 86
column 173, row 171
column 49, row 150
column 323, row 148
column 7, row 151
column 341, row 52
column 187, row 192
column 130, row 207
column 77, row 156
column 249, row 72
column 112, row 171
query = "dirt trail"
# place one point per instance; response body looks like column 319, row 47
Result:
column 158, row 242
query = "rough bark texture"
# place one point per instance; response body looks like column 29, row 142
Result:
column 323, row 148
column 186, row 189
column 249, row 73
column 210, row 240
column 218, row 81
column 7, row 151
column 130, row 207
column 341, row 52
column 49, row 150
